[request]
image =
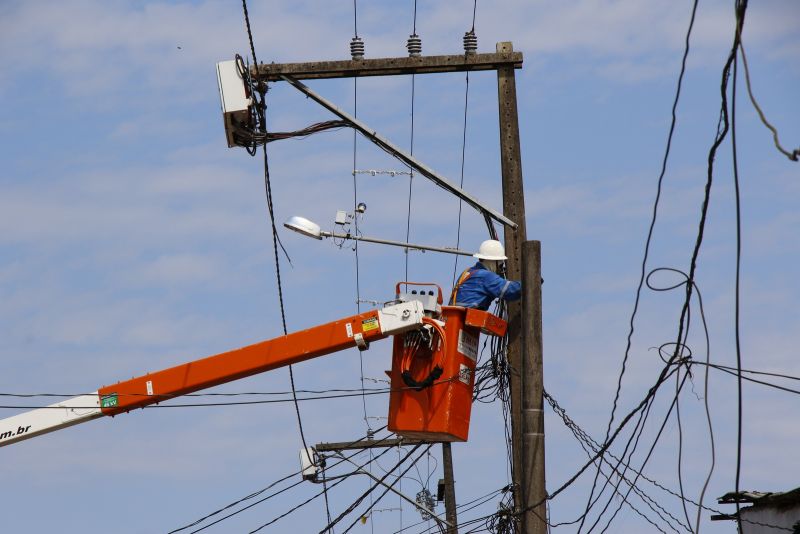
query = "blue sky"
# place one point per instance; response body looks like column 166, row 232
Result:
column 132, row 239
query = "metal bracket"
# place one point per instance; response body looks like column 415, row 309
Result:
column 361, row 343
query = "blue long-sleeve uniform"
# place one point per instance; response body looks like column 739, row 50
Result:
column 478, row 287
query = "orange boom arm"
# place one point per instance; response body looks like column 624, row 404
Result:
column 296, row 347
column 354, row 331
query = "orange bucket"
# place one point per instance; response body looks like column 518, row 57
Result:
column 439, row 407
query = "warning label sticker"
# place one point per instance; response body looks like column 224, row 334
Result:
column 369, row 324
column 468, row 345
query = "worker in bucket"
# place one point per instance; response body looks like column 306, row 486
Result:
column 478, row 286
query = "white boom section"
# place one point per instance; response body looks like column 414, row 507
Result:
column 50, row 418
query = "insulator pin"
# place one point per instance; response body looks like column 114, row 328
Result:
column 470, row 43
column 414, row 45
column 357, row 48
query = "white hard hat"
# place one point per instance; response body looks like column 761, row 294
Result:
column 491, row 250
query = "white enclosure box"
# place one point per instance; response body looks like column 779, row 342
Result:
column 308, row 468
column 233, row 97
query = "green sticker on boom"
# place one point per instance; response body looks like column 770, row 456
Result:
column 108, row 401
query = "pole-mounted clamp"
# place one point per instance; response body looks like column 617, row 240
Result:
column 361, row 343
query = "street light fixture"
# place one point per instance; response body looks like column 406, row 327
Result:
column 301, row 225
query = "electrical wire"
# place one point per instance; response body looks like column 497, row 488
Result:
column 248, row 497
column 679, row 348
column 355, row 244
column 588, row 444
column 654, row 217
column 712, row 445
column 463, row 151
column 625, row 458
column 217, row 394
column 205, row 404
column 794, row 155
column 461, row 182
column 687, row 359
column 680, row 443
column 316, row 495
column 734, row 372
column 325, row 493
column 388, row 487
column 257, row 493
column 369, row 491
column 275, row 242
column 471, row 504
column 355, row 393
column 737, row 293
column 722, row 130
column 317, row 127
column 649, row 454
column 570, row 423
column 275, row 239
column 411, row 149
column 666, row 373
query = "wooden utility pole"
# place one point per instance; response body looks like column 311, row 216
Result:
column 527, row 452
column 514, row 209
column 449, row 489
column 520, row 327
column 533, row 489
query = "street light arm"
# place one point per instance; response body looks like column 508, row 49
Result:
column 395, row 243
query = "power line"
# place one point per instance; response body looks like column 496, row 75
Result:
column 257, row 493
column 353, row 393
column 463, row 153
column 666, row 373
column 722, row 130
column 737, row 292
column 408, row 213
column 411, row 150
column 323, row 492
column 469, row 505
column 355, row 245
column 217, row 394
column 674, row 403
column 679, row 348
column 461, row 183
column 275, row 239
column 389, row 487
column 683, row 283
column 728, row 370
column 741, row 9
column 369, row 491
column 654, row 217
column 588, row 444
column 584, row 436
column 794, row 155
column 316, row 495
